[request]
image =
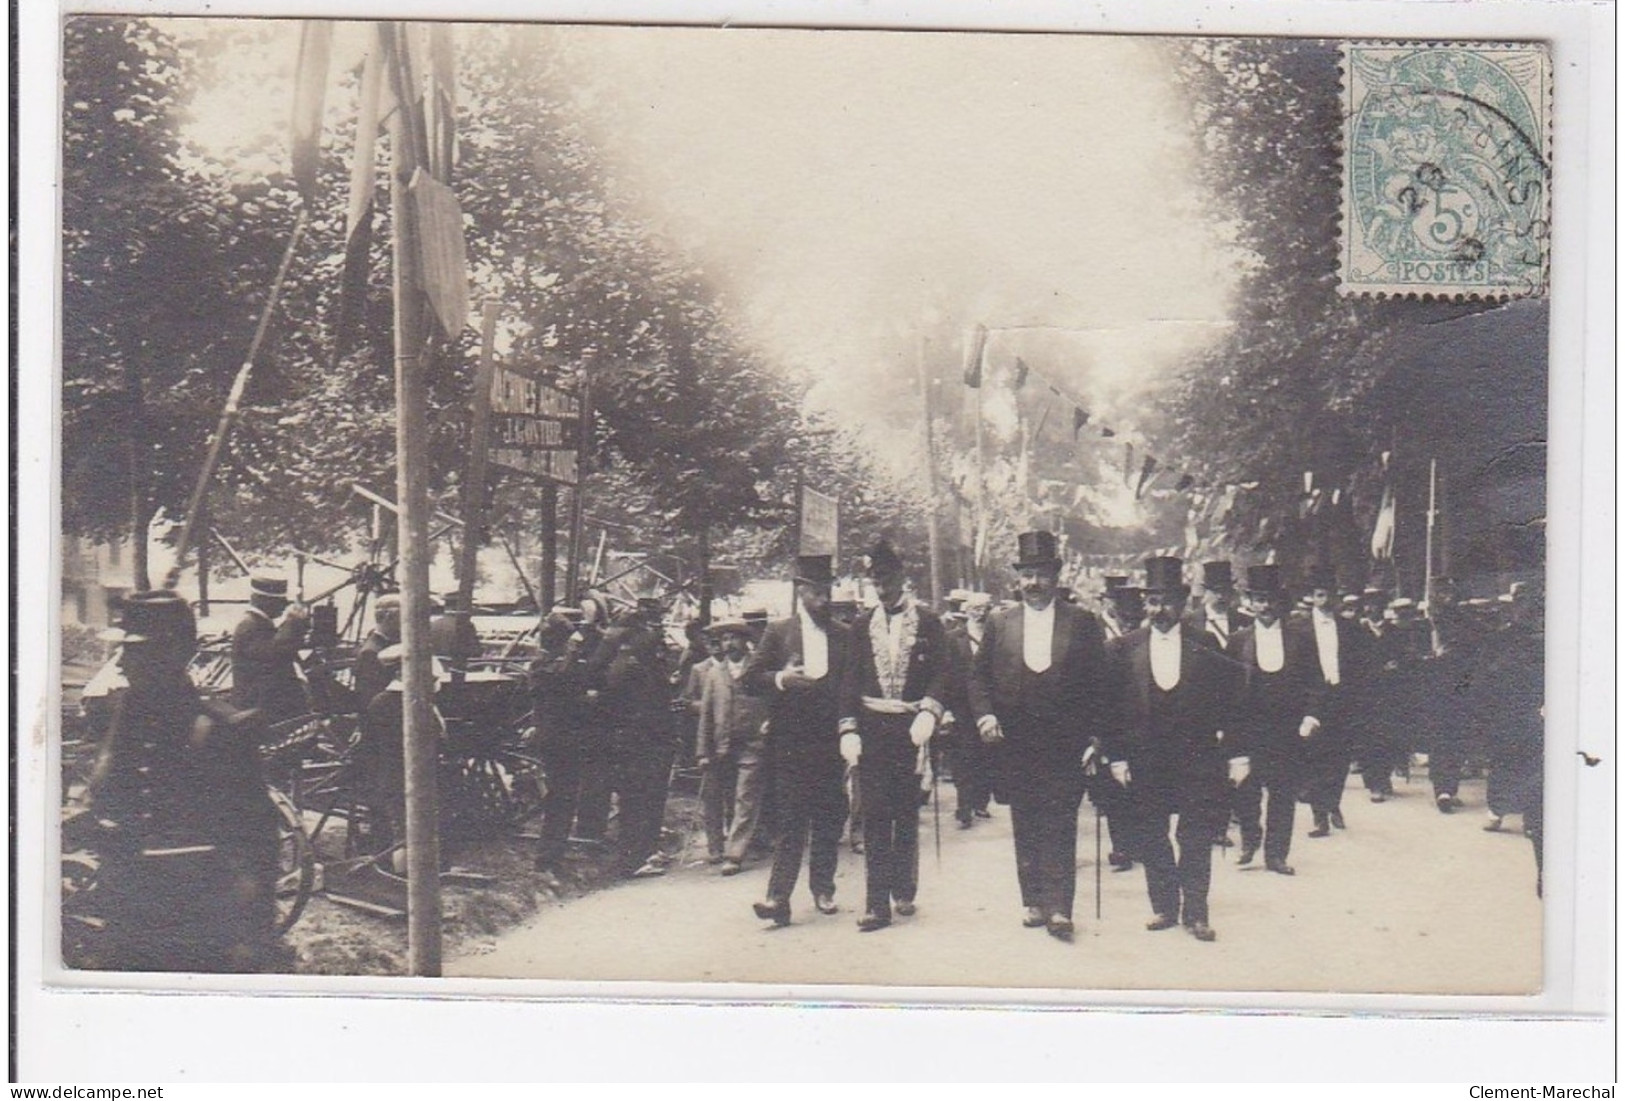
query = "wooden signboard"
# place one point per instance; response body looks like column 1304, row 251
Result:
column 535, row 428
column 820, row 523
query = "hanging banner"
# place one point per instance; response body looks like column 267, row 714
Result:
column 535, row 428
column 820, row 523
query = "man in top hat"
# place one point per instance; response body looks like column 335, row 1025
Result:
column 265, row 653
column 1278, row 667
column 970, row 764
column 1122, row 609
column 629, row 670
column 797, row 666
column 189, row 837
column 1168, row 750
column 730, row 748
column 1333, row 707
column 1217, row 617
column 1040, row 693
column 891, row 706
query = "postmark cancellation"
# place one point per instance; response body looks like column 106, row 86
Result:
column 1446, row 180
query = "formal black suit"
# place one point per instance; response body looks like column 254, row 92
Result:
column 1198, row 620
column 263, row 673
column 1267, row 726
column 969, row 755
column 1338, row 709
column 886, row 773
column 1048, row 720
column 804, row 757
column 1172, row 742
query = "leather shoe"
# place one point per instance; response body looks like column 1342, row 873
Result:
column 1279, row 867
column 825, row 904
column 731, row 867
column 1060, row 927
column 906, row 907
column 965, row 821
column 1161, row 922
column 984, row 813
column 1320, row 831
column 1034, row 918
column 1337, row 820
column 778, row 912
column 1247, row 854
column 1202, row 931
column 868, row 923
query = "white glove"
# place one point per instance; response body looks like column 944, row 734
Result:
column 851, row 748
column 1309, row 725
column 988, row 727
column 1240, row 767
column 921, row 729
column 1120, row 773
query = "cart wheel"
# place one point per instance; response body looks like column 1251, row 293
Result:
column 296, row 863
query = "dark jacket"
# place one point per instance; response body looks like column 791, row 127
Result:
column 1271, row 706
column 801, row 721
column 263, row 673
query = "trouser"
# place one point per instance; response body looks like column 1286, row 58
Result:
column 1327, row 765
column 1046, row 835
column 1446, row 755
column 811, row 812
column 1111, row 800
column 1177, row 884
column 211, row 910
column 380, row 758
column 563, row 756
column 972, row 785
column 891, row 814
column 599, row 780
column 731, row 792
column 644, row 762
column 1266, row 803
column 852, row 790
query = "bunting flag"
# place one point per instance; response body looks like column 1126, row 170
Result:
column 1147, row 469
column 1128, row 463
column 1021, row 374
column 974, row 349
column 442, row 103
column 1185, row 482
column 1382, row 535
column 1106, row 433
column 1079, row 419
column 358, row 215
column 442, row 252
column 309, row 96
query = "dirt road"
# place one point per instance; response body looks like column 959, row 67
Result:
column 1406, row 900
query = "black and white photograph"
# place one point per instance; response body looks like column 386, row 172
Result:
column 1047, row 517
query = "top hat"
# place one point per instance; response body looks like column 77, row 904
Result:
column 814, row 569
column 1320, row 576
column 1164, row 574
column 884, row 561
column 157, row 615
column 1264, row 578
column 268, row 588
column 1217, row 576
column 1036, row 548
column 1115, row 581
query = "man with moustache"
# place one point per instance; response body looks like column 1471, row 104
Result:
column 1217, row 616
column 1039, row 692
column 1168, row 750
column 798, row 666
column 971, row 779
column 891, row 705
column 1332, row 709
column 1278, row 669
column 1121, row 607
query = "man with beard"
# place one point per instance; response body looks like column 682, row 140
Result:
column 891, row 705
column 1177, row 698
column 1340, row 653
column 729, row 748
column 1039, row 692
column 1122, row 609
column 1217, row 617
column 1277, row 669
column 798, row 666
column 969, row 755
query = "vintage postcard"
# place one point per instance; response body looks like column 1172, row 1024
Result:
column 938, row 514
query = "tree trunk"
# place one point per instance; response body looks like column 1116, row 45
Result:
column 141, row 509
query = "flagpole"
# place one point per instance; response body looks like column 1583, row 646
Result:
column 1427, row 578
column 931, row 476
column 423, row 934
column 979, row 539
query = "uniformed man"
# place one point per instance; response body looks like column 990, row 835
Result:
column 265, row 653
column 1177, row 698
column 1278, row 668
column 1040, row 693
column 189, row 848
column 798, row 667
column 891, row 706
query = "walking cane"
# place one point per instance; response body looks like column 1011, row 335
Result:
column 1097, row 860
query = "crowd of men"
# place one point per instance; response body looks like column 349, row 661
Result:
column 1175, row 718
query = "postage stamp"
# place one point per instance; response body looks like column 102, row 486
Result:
column 1446, row 169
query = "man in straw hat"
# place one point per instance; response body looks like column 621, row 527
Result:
column 730, row 748
column 891, row 706
column 1177, row 696
column 265, row 652
column 1039, row 692
column 1278, row 670
column 189, row 841
column 797, row 667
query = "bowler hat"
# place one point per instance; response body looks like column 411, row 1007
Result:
column 884, row 561
column 1036, row 548
column 1216, row 576
column 1164, row 573
column 814, row 569
column 1264, row 578
column 156, row 615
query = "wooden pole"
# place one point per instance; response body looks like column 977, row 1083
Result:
column 979, row 536
column 929, row 405
column 474, row 481
column 412, row 498
column 550, row 547
column 572, row 581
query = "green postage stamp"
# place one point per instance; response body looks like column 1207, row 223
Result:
column 1446, row 169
